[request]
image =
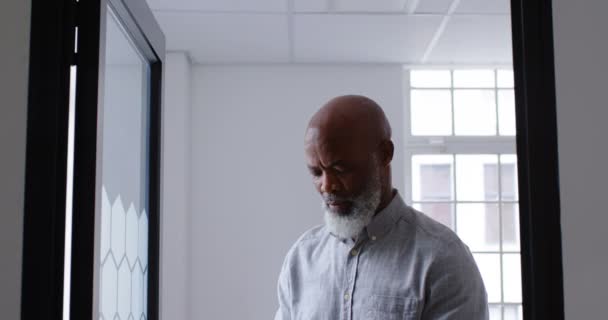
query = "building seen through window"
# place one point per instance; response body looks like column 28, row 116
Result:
column 462, row 170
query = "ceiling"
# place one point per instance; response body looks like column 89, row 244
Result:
column 433, row 32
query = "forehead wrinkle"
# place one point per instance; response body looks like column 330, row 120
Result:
column 323, row 152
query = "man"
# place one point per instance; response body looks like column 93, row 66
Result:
column 375, row 257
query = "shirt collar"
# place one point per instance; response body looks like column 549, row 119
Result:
column 384, row 220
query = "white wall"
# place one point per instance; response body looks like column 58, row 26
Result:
column 176, row 185
column 251, row 193
column 581, row 52
column 14, row 36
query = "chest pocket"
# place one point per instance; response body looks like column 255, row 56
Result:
column 381, row 307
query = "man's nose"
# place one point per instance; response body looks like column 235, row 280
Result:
column 328, row 183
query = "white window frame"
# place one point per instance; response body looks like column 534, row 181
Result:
column 446, row 144
column 429, row 145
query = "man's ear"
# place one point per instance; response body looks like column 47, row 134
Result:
column 387, row 150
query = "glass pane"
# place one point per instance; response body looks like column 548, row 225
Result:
column 441, row 212
column 508, row 171
column 431, row 112
column 504, row 79
column 473, row 78
column 477, row 177
column 506, row 112
column 430, row 79
column 510, row 227
column 477, row 226
column 474, row 112
column 514, row 312
column 124, row 221
column 512, row 277
column 432, row 178
column 489, row 266
column 495, row 312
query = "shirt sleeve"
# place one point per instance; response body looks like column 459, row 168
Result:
column 284, row 294
column 455, row 289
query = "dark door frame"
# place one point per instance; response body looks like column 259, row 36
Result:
column 539, row 204
column 139, row 23
column 52, row 53
column 51, row 48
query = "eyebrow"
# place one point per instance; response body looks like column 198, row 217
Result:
column 333, row 164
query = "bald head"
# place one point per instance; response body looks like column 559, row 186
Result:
column 348, row 146
column 350, row 118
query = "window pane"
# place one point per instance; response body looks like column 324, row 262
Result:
column 495, row 312
column 125, row 182
column 508, row 171
column 430, row 79
column 441, row 212
column 475, row 112
column 474, row 78
column 514, row 312
column 505, row 79
column 489, row 266
column 431, row 112
column 432, row 178
column 477, row 226
column 477, row 177
column 506, row 112
column 510, row 227
column 512, row 277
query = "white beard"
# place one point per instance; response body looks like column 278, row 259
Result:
column 363, row 208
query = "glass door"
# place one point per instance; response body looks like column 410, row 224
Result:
column 123, row 240
column 115, row 216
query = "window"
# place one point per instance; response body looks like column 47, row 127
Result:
column 461, row 169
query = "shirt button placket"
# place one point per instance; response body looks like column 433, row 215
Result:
column 352, row 265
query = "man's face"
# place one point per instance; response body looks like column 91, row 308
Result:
column 341, row 171
column 348, row 179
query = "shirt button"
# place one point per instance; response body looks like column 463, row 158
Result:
column 346, row 296
column 373, row 238
column 354, row 252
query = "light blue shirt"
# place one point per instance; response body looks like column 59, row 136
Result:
column 403, row 265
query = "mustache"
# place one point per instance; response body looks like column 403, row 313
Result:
column 330, row 197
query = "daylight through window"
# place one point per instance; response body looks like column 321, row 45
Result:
column 461, row 170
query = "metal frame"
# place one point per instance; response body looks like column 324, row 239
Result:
column 50, row 56
column 538, row 173
column 537, row 152
column 147, row 36
column 540, row 224
column 51, row 47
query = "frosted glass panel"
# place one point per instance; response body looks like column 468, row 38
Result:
column 124, row 196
